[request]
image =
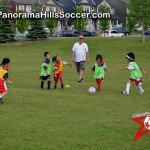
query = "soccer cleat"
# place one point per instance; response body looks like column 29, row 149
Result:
column 81, row 80
column 141, row 93
column 98, row 89
column 62, row 86
column 55, row 87
column 125, row 93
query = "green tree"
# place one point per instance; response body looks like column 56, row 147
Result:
column 22, row 23
column 104, row 22
column 132, row 22
column 51, row 24
column 36, row 26
column 80, row 23
column 6, row 25
column 140, row 9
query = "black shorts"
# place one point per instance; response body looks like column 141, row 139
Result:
column 45, row 77
column 80, row 65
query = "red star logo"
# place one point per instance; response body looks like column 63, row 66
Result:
column 140, row 133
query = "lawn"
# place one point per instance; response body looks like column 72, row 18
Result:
column 73, row 119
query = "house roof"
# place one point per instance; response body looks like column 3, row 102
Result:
column 31, row 2
column 126, row 1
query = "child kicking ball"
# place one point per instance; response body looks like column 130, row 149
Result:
column 4, row 77
column 136, row 74
column 99, row 69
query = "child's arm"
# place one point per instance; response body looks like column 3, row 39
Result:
column 66, row 63
column 93, row 69
column 106, row 69
column 47, row 72
column 123, row 68
column 145, row 72
column 9, row 81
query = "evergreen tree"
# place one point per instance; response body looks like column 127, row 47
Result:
column 6, row 25
column 37, row 30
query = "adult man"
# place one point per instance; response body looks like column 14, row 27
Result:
column 79, row 53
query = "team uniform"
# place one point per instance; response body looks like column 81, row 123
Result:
column 58, row 69
column 3, row 78
column 99, row 69
column 136, row 74
column 46, row 65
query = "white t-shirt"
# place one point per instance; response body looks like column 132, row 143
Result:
column 80, row 51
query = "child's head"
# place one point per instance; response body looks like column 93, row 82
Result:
column 56, row 58
column 99, row 58
column 130, row 57
column 6, row 62
column 47, row 55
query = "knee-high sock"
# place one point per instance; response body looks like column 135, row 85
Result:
column 62, row 82
column 99, row 84
column 48, row 85
column 128, row 88
column 42, row 83
column 56, row 80
column 140, row 88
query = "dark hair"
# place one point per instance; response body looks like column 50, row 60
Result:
column 99, row 56
column 5, row 61
column 45, row 54
column 130, row 56
column 54, row 58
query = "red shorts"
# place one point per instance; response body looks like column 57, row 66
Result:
column 137, row 81
column 59, row 75
column 3, row 86
column 99, row 80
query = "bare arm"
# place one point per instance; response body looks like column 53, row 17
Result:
column 145, row 72
column 122, row 68
column 88, row 58
column 106, row 69
column 9, row 81
column 73, row 56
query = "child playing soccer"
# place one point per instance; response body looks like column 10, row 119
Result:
column 58, row 70
column 136, row 74
column 99, row 69
column 46, row 71
column 4, row 77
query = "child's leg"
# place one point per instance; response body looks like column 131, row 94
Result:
column 140, row 88
column 42, row 84
column 56, row 80
column 3, row 94
column 61, row 80
column 48, row 82
column 128, row 86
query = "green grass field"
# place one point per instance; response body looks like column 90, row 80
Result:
column 73, row 119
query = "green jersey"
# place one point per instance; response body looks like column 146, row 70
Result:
column 46, row 65
column 99, row 70
column 135, row 70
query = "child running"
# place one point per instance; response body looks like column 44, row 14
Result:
column 58, row 70
column 136, row 74
column 99, row 69
column 4, row 77
column 46, row 71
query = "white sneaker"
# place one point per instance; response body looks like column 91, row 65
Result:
column 125, row 93
column 141, row 93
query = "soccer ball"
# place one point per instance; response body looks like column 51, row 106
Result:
column 147, row 122
column 91, row 90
